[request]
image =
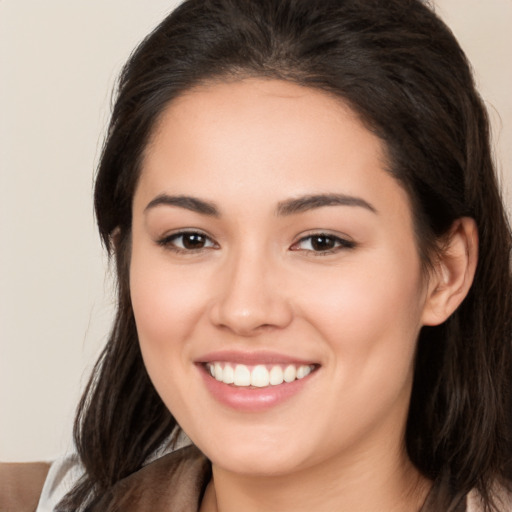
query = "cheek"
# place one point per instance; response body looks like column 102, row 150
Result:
column 166, row 300
column 370, row 311
column 167, row 305
column 370, row 320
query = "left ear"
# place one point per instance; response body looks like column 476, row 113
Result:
column 453, row 273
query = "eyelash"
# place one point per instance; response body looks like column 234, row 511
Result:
column 339, row 243
column 169, row 242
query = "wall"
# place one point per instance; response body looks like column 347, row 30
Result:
column 58, row 62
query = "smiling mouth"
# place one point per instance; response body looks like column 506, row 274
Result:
column 257, row 376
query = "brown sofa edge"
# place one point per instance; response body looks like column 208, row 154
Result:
column 21, row 484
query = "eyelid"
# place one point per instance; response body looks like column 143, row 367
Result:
column 166, row 241
column 341, row 242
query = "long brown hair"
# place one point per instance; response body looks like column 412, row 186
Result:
column 400, row 68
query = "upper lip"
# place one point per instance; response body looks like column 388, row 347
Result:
column 251, row 358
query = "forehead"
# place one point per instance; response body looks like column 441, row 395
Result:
column 261, row 140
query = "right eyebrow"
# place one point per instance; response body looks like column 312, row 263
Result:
column 310, row 202
column 188, row 202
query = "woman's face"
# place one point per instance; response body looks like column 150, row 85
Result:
column 272, row 250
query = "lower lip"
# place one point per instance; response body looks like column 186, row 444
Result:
column 248, row 399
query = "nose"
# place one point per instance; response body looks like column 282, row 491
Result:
column 251, row 296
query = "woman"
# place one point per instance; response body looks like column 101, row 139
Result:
column 313, row 266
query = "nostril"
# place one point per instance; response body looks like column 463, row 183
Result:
column 249, row 321
column 248, row 301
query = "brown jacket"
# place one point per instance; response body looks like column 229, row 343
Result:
column 176, row 483
column 173, row 483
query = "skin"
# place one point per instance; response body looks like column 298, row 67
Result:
column 258, row 284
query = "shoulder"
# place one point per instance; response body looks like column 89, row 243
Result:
column 62, row 477
column 175, row 481
column 501, row 494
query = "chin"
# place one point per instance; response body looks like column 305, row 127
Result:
column 258, row 454
column 256, row 463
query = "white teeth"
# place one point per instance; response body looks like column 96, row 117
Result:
column 228, row 376
column 242, row 375
column 218, row 371
column 276, row 375
column 290, row 373
column 258, row 376
column 303, row 371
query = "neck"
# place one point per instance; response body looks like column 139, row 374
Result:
column 365, row 486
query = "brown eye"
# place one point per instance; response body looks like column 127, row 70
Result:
column 193, row 241
column 322, row 243
column 187, row 241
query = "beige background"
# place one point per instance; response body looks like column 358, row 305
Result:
column 58, row 63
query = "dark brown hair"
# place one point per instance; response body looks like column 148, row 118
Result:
column 400, row 68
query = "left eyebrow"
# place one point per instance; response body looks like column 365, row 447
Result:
column 189, row 203
column 310, row 202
